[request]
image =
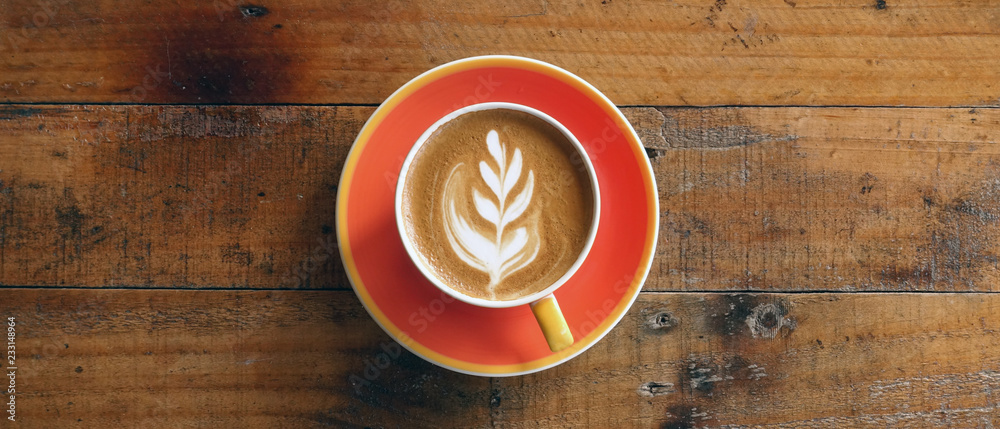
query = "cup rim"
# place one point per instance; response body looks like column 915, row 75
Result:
column 417, row 258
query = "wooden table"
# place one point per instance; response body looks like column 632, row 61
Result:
column 829, row 179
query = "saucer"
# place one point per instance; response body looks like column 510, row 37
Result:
column 495, row 341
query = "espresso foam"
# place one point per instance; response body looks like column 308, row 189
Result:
column 494, row 170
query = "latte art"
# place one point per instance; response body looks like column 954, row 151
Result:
column 501, row 254
column 494, row 206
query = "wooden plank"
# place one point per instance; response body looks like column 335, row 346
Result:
column 825, row 199
column 168, row 196
column 777, row 361
column 100, row 358
column 689, row 52
column 751, row 198
column 168, row 358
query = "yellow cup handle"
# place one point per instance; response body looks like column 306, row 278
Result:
column 552, row 322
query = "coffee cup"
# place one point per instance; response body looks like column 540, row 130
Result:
column 497, row 204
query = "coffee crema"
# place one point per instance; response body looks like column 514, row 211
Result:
column 498, row 204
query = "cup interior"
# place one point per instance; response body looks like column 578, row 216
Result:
column 417, row 257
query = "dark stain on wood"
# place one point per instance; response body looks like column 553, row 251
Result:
column 388, row 377
column 906, row 277
column 234, row 255
column 71, row 218
column 679, row 417
column 731, row 312
column 232, row 56
column 742, row 316
column 8, row 113
column 880, row 4
column 328, row 419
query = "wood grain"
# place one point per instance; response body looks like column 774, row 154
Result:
column 167, row 358
column 825, row 199
column 777, row 361
column 172, row 196
column 774, row 199
column 859, row 52
column 202, row 359
column 197, row 239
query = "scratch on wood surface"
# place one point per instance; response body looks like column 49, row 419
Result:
column 694, row 128
column 881, row 388
column 708, row 375
column 942, row 386
column 9, row 86
column 543, row 12
column 941, row 418
column 962, row 237
column 91, row 84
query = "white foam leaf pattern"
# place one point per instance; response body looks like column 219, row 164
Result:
column 486, row 208
column 471, row 246
column 513, row 265
column 498, row 255
column 493, row 144
column 513, row 171
column 520, row 203
column 515, row 244
column 491, row 179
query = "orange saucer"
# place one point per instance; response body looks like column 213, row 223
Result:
column 463, row 337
